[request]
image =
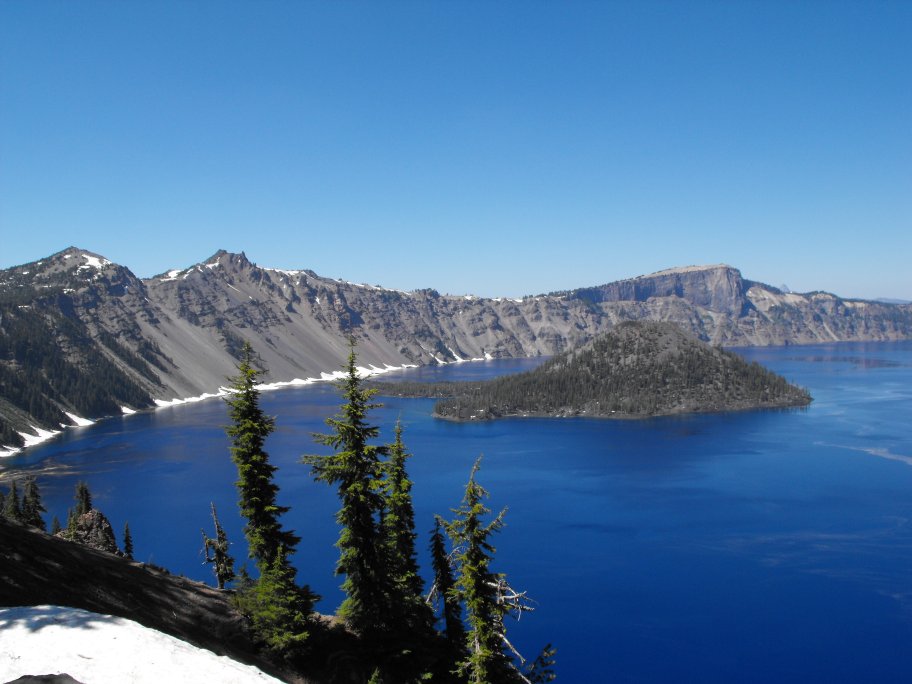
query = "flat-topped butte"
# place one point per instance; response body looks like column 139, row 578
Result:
column 638, row 369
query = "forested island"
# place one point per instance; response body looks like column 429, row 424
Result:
column 637, row 369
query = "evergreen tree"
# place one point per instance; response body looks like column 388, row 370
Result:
column 55, row 525
column 222, row 561
column 12, row 505
column 410, row 641
column 83, row 499
column 276, row 606
column 487, row 661
column 541, row 670
column 355, row 468
column 248, row 431
column 71, row 524
column 279, row 610
column 31, row 505
column 399, row 530
column 448, row 596
column 127, row 541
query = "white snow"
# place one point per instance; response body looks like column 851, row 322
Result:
column 103, row 649
column 6, row 451
column 296, row 382
column 94, row 261
column 127, row 411
column 39, row 436
column 172, row 274
column 79, row 422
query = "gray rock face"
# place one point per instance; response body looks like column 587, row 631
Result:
column 178, row 334
column 94, row 530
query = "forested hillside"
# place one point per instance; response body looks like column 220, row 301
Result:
column 637, row 369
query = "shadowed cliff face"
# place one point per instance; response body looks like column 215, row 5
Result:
column 178, row 334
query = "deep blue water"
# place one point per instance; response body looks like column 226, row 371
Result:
column 745, row 547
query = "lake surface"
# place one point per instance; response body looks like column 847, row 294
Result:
column 745, row 547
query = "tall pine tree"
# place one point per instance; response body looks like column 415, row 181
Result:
column 410, row 638
column 83, row 499
column 399, row 530
column 447, row 595
column 127, row 541
column 12, row 505
column 32, row 507
column 355, row 469
column 487, row 660
column 256, row 487
column 278, row 626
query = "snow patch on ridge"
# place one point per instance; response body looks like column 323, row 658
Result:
column 93, row 262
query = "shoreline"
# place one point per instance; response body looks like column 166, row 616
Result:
column 43, row 435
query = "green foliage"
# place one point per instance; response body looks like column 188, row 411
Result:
column 127, row 541
column 355, row 469
column 638, row 368
column 446, row 595
column 12, row 504
column 256, row 487
column 278, row 609
column 541, row 670
column 83, row 498
column 32, row 507
column 399, row 531
column 221, row 559
column 487, row 659
column 37, row 377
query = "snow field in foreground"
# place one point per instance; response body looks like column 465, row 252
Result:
column 102, row 649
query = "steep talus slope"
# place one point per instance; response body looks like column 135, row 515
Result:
column 82, row 335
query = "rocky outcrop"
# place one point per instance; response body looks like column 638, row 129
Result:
column 94, row 530
column 122, row 341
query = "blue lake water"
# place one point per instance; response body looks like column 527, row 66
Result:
column 747, row 547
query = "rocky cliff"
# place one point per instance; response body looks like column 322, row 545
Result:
column 83, row 336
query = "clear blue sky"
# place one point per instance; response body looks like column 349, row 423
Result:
column 497, row 148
